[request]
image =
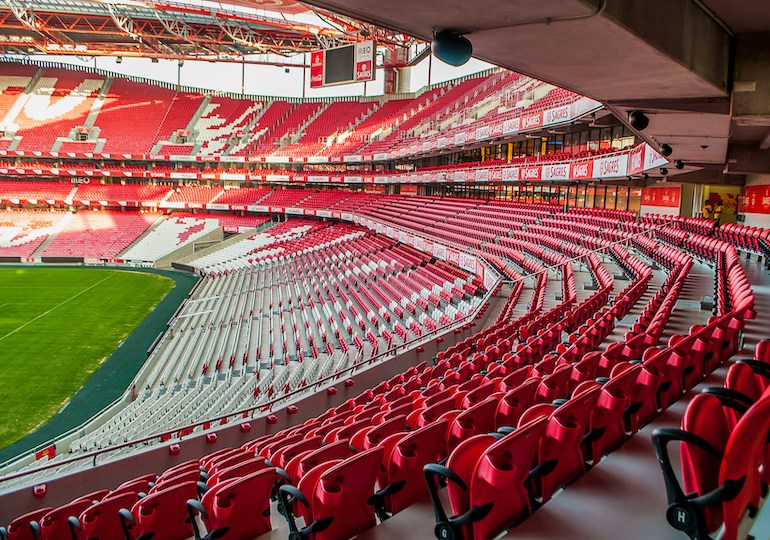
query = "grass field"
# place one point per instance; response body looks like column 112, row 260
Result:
column 57, row 325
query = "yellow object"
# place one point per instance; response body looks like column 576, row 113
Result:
column 707, row 210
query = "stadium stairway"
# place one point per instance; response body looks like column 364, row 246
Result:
column 155, row 225
column 98, row 102
column 51, row 237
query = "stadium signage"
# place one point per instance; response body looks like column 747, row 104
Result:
column 316, row 69
column 611, row 166
column 365, row 61
column 556, row 172
column 529, row 173
column 343, row 65
column 560, row 114
column 582, row 169
column 531, row 121
column 636, row 159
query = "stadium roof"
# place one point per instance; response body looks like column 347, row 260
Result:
column 178, row 28
column 697, row 67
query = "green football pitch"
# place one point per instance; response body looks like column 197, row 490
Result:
column 57, row 325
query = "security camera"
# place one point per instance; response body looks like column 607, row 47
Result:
column 679, row 164
column 638, row 120
column 663, row 171
column 665, row 150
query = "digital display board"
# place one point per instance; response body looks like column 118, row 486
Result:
column 343, row 65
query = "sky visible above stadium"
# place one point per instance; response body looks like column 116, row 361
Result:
column 260, row 79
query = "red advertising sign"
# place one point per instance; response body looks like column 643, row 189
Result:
column 316, row 69
column 531, row 121
column 365, row 61
column 581, row 170
column 529, row 173
column 757, row 200
column 636, row 159
column 662, row 196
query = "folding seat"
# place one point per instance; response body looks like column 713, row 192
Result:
column 209, row 461
column 162, row 514
column 141, row 484
column 287, row 453
column 748, row 377
column 346, row 431
column 102, row 519
column 515, row 378
column 241, row 469
column 487, row 478
column 480, row 393
column 19, row 528
column 562, row 442
column 335, row 497
column 721, row 469
column 305, row 461
column 479, row 418
column 236, row 509
column 555, row 385
column 183, row 467
column 371, row 436
column 55, row 525
column 612, row 412
column 400, row 475
column 419, row 418
column 584, row 369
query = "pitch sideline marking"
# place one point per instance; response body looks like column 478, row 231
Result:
column 60, row 304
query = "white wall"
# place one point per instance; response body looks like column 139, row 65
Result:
column 665, row 210
column 757, row 220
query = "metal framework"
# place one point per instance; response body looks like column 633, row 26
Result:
column 170, row 30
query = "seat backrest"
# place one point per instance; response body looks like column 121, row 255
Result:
column 164, row 513
column 54, row 526
column 285, row 454
column 241, row 469
column 480, row 418
column 343, row 492
column 741, row 378
column 745, row 454
column 608, row 417
column 513, row 404
column 137, row 485
column 378, row 433
column 336, row 450
column 462, row 461
column 704, row 417
column 762, row 352
column 239, row 507
column 406, row 459
column 562, row 442
column 19, row 529
column 500, row 478
column 101, row 520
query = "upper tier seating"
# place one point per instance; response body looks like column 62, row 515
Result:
column 128, row 194
column 132, row 115
column 59, row 102
column 35, row 191
column 244, row 127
